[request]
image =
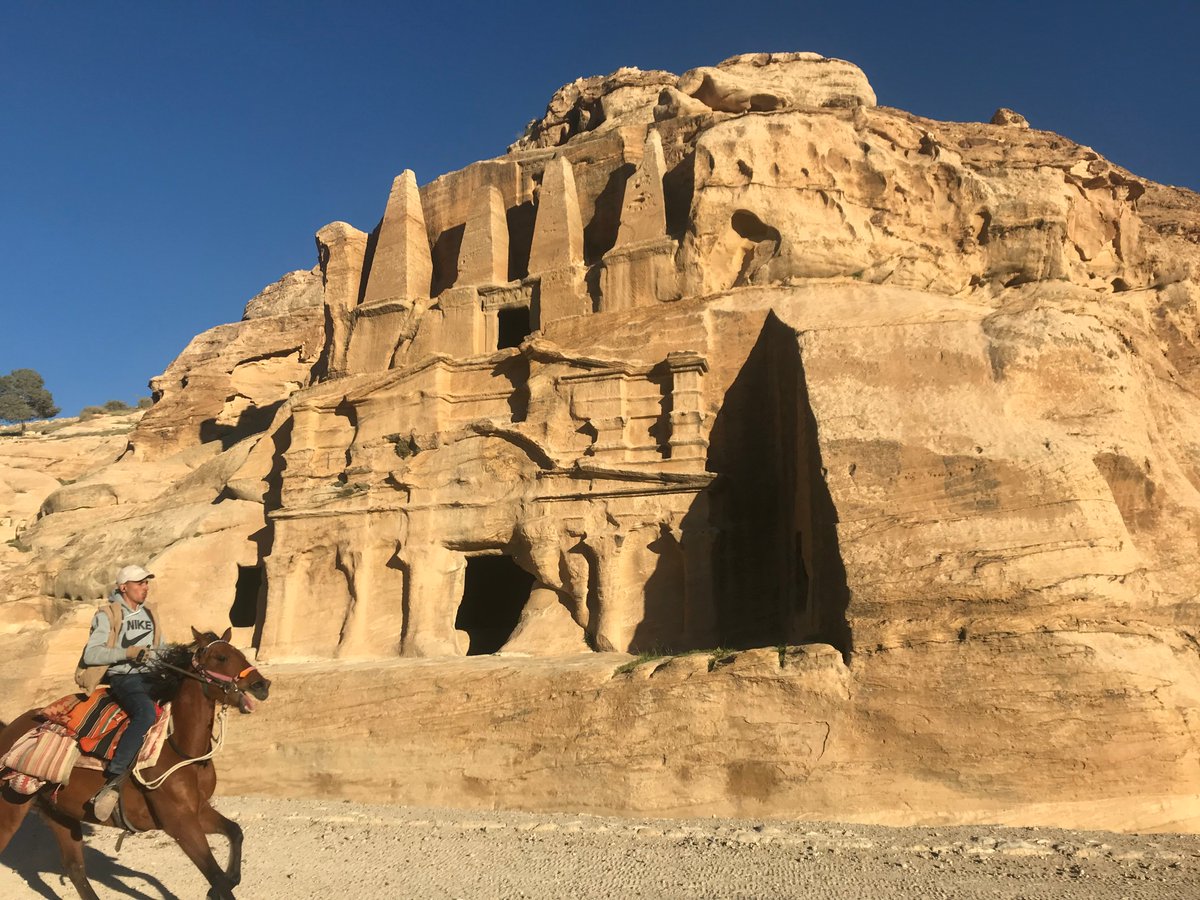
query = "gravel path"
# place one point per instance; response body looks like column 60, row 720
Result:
column 302, row 849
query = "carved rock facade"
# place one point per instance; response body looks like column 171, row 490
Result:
column 735, row 359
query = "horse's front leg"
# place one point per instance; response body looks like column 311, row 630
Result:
column 69, row 835
column 214, row 823
column 183, row 824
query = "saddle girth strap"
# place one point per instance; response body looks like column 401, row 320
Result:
column 121, row 819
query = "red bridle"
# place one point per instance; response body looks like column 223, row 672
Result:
column 218, row 677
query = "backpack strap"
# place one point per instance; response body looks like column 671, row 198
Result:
column 87, row 677
column 114, row 623
column 158, row 635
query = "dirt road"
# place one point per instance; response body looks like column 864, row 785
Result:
column 303, row 849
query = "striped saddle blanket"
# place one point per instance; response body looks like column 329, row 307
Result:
column 98, row 723
column 46, row 753
column 76, row 724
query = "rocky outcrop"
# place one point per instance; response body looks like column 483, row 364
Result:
column 761, row 82
column 229, row 381
column 901, row 410
column 1006, row 116
column 294, row 292
column 587, row 104
column 751, row 82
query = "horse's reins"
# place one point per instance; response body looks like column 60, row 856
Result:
column 216, row 742
column 206, row 677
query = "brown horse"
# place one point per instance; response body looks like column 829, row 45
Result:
column 196, row 678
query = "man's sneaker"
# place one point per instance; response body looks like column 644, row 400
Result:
column 106, row 799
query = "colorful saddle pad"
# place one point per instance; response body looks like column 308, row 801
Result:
column 45, row 753
column 98, row 724
column 91, row 724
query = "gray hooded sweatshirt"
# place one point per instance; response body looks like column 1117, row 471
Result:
column 136, row 630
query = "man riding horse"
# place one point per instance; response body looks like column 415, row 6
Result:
column 172, row 791
column 121, row 637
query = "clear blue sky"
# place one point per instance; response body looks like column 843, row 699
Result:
column 163, row 161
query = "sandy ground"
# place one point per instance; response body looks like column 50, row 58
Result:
column 301, row 849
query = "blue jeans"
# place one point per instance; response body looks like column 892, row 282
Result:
column 131, row 695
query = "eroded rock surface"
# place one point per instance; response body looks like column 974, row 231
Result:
column 903, row 411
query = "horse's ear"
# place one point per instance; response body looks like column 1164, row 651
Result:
column 197, row 635
column 227, row 635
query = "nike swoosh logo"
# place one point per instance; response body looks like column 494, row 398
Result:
column 126, row 642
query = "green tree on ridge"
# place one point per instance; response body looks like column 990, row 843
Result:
column 23, row 396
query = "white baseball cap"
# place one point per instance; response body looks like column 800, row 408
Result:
column 132, row 573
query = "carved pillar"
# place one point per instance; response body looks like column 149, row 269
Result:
column 397, row 284
column 463, row 329
column 644, row 207
column 601, row 399
column 433, row 400
column 556, row 256
column 280, row 571
column 545, row 627
column 434, row 588
column 341, row 250
column 483, row 256
column 640, row 268
column 688, row 439
column 374, row 623
column 402, row 267
column 608, row 627
column 308, row 591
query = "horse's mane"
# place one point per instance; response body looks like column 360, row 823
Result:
column 161, row 682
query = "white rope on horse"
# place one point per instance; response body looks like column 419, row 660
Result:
column 218, row 739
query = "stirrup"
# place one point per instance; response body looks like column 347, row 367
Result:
column 106, row 798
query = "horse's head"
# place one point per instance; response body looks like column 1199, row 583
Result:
column 226, row 668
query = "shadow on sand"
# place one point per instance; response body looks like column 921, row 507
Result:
column 33, row 855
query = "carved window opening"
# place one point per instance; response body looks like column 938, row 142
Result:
column 244, row 612
column 512, row 326
column 495, row 592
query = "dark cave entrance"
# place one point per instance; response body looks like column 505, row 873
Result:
column 778, row 575
column 244, row 612
column 494, row 594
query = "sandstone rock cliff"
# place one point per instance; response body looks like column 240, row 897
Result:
column 902, row 410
